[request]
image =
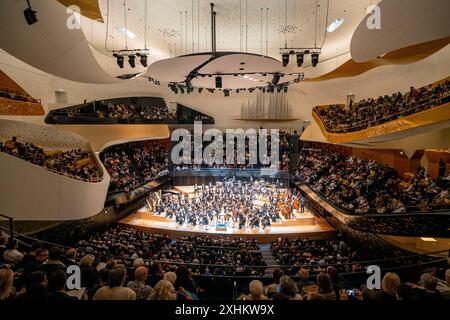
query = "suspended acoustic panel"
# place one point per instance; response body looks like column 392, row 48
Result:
column 403, row 23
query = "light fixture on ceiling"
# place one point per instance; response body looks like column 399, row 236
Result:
column 132, row 60
column 30, row 14
column 128, row 33
column 120, row 60
column 334, row 25
column 300, row 58
column 314, row 59
column 285, row 59
column 143, row 59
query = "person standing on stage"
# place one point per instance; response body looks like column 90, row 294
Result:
column 302, row 204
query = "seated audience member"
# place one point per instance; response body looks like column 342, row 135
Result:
column 172, row 278
column 256, row 289
column 89, row 273
column 288, row 290
column 305, row 285
column 405, row 291
column 53, row 263
column 156, row 273
column 57, row 286
column 185, row 283
column 324, row 289
column 139, row 285
column 389, row 286
column 427, row 288
column 35, row 287
column 337, row 281
column 163, row 290
column 444, row 286
column 11, row 255
column 275, row 285
column 115, row 289
column 70, row 257
column 7, row 290
column 30, row 255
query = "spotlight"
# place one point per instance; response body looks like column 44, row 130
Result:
column 181, row 90
column 143, row 60
column 279, row 88
column 174, row 88
column 218, row 82
column 276, row 78
column 30, row 14
column 120, row 60
column 132, row 60
column 200, row 90
column 285, row 59
column 300, row 58
column 226, row 92
column 285, row 89
column 314, row 59
column 251, row 90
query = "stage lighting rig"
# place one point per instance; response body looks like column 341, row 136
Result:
column 300, row 54
column 30, row 14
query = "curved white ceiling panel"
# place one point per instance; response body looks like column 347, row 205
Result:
column 234, row 62
column 176, row 69
column 48, row 44
column 402, row 23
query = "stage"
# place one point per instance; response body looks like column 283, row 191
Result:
column 304, row 225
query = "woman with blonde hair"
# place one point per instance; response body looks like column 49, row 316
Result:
column 256, row 292
column 389, row 286
column 7, row 291
column 163, row 290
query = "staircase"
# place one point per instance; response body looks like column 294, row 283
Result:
column 269, row 258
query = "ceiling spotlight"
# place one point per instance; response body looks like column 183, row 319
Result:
column 285, row 59
column 251, row 90
column 276, row 78
column 226, row 92
column 174, row 88
column 314, row 59
column 132, row 60
column 279, row 88
column 143, row 60
column 181, row 90
column 120, row 60
column 300, row 58
column 200, row 90
column 285, row 89
column 30, row 14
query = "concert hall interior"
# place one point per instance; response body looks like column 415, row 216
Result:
column 225, row 150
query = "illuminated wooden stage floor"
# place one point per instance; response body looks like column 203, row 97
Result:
column 304, row 225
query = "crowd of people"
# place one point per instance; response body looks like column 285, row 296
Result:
column 363, row 186
column 15, row 95
column 250, row 144
column 234, row 203
column 76, row 163
column 126, row 264
column 371, row 112
column 133, row 164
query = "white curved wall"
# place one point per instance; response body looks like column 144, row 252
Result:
column 30, row 192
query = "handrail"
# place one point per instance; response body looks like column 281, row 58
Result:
column 361, row 124
column 11, row 225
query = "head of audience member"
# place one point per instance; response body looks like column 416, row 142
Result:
column 171, row 277
column 256, row 289
column 324, row 283
column 405, row 292
column 117, row 276
column 390, row 283
column 87, row 261
column 6, row 283
column 57, row 281
column 12, row 244
column 41, row 255
column 288, row 288
column 138, row 262
column 3, row 241
column 55, row 253
column 36, row 286
column 429, row 282
column 141, row 274
column 303, row 274
column 103, row 276
column 447, row 277
column 276, row 275
column 156, row 269
column 71, row 254
column 163, row 290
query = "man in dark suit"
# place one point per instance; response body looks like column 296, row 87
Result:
column 57, row 287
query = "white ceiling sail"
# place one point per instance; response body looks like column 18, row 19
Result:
column 402, row 23
column 49, row 44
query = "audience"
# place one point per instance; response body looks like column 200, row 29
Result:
column 115, row 289
column 360, row 186
column 372, row 112
column 77, row 164
column 133, row 164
